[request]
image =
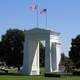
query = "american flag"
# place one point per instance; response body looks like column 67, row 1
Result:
column 43, row 11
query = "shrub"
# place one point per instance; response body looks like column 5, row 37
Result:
column 76, row 72
column 52, row 74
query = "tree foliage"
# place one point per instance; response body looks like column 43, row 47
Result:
column 63, row 59
column 74, row 52
column 12, row 47
column 66, row 63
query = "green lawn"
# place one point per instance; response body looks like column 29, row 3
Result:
column 41, row 77
column 7, row 77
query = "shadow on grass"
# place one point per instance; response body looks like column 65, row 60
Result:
column 11, row 74
column 17, row 74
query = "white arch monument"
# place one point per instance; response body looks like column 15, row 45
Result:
column 31, row 51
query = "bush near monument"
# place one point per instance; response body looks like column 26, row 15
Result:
column 52, row 74
column 76, row 72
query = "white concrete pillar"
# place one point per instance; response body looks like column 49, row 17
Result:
column 24, row 70
column 58, row 52
column 31, row 58
column 48, row 65
column 56, row 55
column 53, row 57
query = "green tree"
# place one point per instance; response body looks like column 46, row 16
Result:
column 66, row 63
column 12, row 47
column 74, row 52
column 63, row 59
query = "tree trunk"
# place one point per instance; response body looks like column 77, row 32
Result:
column 18, row 68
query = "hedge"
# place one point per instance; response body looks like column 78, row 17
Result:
column 52, row 74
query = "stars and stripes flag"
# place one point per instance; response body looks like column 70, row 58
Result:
column 43, row 11
column 34, row 7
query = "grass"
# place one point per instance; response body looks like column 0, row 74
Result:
column 41, row 77
column 8, row 77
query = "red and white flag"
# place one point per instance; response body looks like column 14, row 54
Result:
column 43, row 11
column 34, row 7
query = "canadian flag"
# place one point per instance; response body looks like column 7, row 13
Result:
column 34, row 7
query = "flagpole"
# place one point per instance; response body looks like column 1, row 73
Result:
column 46, row 20
column 37, row 14
column 37, row 18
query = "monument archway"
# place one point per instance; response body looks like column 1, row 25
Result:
column 31, row 51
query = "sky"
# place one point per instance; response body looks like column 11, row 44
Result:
column 62, row 16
